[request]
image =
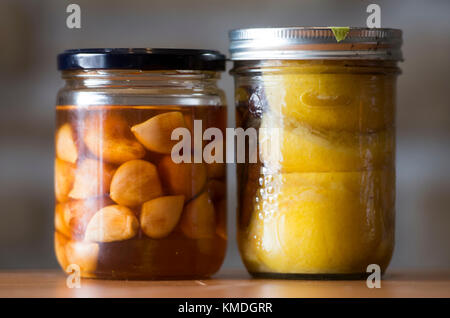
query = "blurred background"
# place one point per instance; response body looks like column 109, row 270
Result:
column 32, row 33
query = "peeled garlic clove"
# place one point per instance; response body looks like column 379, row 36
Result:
column 66, row 148
column 60, row 224
column 92, row 178
column 198, row 219
column 83, row 254
column 112, row 223
column 216, row 170
column 135, row 182
column 60, row 242
column 155, row 133
column 160, row 216
column 109, row 138
column 64, row 178
column 78, row 213
column 216, row 189
column 186, row 179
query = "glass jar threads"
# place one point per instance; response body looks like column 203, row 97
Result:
column 320, row 201
column 124, row 208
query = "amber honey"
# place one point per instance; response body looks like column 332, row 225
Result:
column 121, row 212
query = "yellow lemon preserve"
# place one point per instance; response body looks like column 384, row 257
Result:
column 320, row 200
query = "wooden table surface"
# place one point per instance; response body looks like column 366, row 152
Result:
column 52, row 283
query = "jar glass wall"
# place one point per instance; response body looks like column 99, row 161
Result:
column 320, row 200
column 124, row 209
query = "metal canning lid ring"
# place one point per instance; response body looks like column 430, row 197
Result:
column 316, row 43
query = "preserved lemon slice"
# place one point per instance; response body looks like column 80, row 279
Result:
column 324, row 96
column 300, row 149
column 321, row 222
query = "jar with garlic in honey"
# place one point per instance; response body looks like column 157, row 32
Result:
column 319, row 203
column 125, row 209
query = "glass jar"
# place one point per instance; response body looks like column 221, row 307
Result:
column 320, row 200
column 125, row 209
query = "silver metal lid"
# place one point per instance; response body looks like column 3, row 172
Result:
column 296, row 43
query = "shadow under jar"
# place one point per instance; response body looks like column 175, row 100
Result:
column 124, row 208
column 319, row 202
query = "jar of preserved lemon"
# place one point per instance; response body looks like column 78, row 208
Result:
column 125, row 209
column 319, row 202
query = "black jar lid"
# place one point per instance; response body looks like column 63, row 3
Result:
column 141, row 59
